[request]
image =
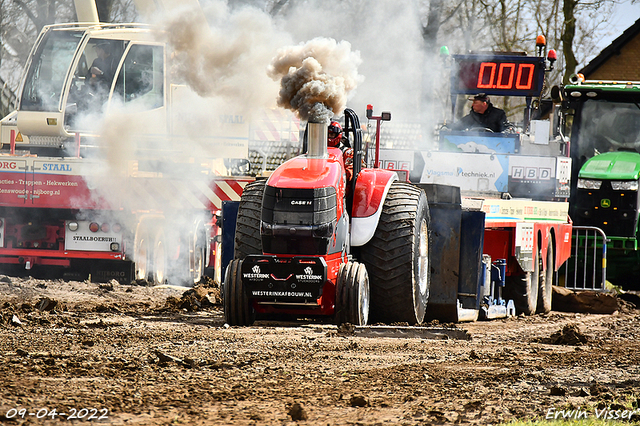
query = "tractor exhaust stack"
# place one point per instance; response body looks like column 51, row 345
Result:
column 317, row 140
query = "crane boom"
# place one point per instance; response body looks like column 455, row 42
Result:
column 86, row 11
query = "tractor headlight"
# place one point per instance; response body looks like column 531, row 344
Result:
column 624, row 185
column 589, row 184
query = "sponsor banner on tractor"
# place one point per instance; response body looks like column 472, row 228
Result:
column 289, row 278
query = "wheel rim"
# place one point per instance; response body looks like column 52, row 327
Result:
column 423, row 258
column 142, row 260
column 198, row 262
column 534, row 283
column 364, row 297
column 550, row 263
column 159, row 262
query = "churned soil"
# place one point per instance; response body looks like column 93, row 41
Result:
column 138, row 355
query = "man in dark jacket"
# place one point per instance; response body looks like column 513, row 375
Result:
column 483, row 115
column 103, row 68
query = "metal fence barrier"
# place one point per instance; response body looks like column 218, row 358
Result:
column 586, row 269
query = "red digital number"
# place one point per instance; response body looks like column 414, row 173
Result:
column 525, row 72
column 506, row 81
column 508, row 76
column 486, row 81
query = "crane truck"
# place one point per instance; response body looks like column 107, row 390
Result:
column 605, row 149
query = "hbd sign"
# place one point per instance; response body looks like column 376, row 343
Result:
column 531, row 173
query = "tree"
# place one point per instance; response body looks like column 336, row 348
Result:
column 568, row 36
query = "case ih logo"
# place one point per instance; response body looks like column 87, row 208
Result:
column 301, row 202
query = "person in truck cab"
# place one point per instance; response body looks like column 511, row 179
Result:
column 103, row 68
column 337, row 139
column 483, row 115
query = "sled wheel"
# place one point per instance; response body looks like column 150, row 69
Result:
column 237, row 307
column 545, row 289
column 523, row 289
column 159, row 264
column 352, row 294
column 397, row 257
column 247, row 237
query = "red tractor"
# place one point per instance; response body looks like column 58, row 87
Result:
column 310, row 244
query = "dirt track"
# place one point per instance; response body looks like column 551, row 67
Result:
column 143, row 356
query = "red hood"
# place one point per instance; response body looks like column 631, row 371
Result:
column 303, row 172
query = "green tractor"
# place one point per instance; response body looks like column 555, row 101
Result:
column 605, row 151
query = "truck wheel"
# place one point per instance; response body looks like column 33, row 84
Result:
column 523, row 289
column 352, row 294
column 397, row 257
column 237, row 308
column 545, row 289
column 247, row 237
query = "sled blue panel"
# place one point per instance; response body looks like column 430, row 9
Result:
column 471, row 266
column 229, row 218
column 444, row 250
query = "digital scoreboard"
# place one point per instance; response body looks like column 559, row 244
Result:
column 497, row 75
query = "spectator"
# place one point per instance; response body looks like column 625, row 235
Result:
column 483, row 115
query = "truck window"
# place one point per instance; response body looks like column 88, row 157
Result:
column 47, row 71
column 141, row 78
column 92, row 80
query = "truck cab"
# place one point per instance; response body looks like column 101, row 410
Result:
column 60, row 96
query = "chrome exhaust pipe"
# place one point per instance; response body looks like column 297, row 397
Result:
column 317, row 134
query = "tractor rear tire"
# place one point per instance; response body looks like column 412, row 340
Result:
column 545, row 289
column 247, row 236
column 237, row 306
column 352, row 294
column 523, row 289
column 397, row 257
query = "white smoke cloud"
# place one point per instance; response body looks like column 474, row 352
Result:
column 386, row 34
column 219, row 52
column 218, row 80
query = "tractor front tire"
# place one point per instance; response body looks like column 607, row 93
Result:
column 247, row 237
column 237, row 306
column 397, row 257
column 352, row 294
